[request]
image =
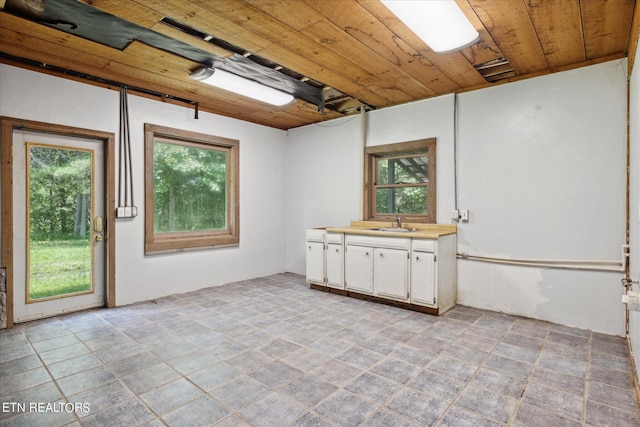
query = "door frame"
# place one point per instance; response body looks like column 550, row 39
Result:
column 7, row 126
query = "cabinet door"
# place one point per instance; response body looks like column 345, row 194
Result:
column 358, row 270
column 335, row 266
column 315, row 262
column 390, row 267
column 423, row 278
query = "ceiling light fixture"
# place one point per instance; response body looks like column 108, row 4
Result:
column 241, row 86
column 439, row 23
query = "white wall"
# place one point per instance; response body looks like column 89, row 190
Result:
column 634, row 204
column 35, row 96
column 323, row 179
column 541, row 169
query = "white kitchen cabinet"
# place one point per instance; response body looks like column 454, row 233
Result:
column 335, row 260
column 423, row 278
column 316, row 256
column 358, row 269
column 433, row 272
column 377, row 265
column 390, row 273
column 415, row 271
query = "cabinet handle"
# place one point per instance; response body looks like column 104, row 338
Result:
column 366, row 254
column 417, row 258
column 381, row 256
column 337, row 250
column 309, row 247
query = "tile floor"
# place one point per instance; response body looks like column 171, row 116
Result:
column 272, row 352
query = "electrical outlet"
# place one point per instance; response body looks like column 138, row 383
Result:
column 120, row 212
column 127, row 211
column 455, row 215
column 464, row 214
column 134, row 211
column 631, row 299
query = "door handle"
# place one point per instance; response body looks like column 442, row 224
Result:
column 98, row 227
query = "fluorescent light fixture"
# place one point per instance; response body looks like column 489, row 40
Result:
column 241, row 86
column 439, row 23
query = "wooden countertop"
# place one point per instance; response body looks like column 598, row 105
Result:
column 418, row 231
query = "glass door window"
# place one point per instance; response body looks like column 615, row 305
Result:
column 60, row 212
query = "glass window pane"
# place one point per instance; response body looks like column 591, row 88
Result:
column 405, row 170
column 401, row 200
column 60, row 249
column 189, row 188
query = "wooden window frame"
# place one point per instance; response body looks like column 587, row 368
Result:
column 158, row 243
column 427, row 146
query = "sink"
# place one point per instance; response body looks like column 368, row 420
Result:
column 395, row 230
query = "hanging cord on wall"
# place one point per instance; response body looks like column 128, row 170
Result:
column 455, row 149
column 121, row 180
column 363, row 147
column 126, row 207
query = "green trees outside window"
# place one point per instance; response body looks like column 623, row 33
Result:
column 400, row 179
column 401, row 186
column 191, row 190
column 59, row 215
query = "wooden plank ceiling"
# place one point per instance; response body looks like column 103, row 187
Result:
column 356, row 51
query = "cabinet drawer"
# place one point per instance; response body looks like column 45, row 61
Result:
column 315, row 235
column 423, row 245
column 335, row 238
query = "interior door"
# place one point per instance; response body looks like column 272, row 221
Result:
column 58, row 224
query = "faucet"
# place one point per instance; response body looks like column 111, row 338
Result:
column 398, row 222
